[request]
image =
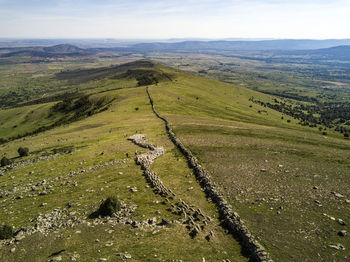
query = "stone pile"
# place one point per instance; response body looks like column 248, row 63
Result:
column 230, row 219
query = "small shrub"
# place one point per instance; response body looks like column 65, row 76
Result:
column 5, row 161
column 324, row 133
column 6, row 232
column 136, row 108
column 23, row 151
column 109, row 206
column 346, row 135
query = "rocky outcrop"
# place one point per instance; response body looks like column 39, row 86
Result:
column 231, row 220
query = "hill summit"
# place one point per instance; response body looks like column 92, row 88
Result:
column 63, row 49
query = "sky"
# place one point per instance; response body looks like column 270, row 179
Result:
column 164, row 19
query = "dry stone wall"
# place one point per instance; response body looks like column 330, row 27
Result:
column 194, row 220
column 231, row 220
column 145, row 160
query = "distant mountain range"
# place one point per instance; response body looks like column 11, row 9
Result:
column 233, row 44
column 47, row 52
column 279, row 49
column 242, row 45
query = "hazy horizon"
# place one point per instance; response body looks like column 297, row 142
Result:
column 160, row 19
column 166, row 39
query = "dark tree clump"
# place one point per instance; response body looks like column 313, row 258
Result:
column 109, row 206
column 146, row 79
column 23, row 151
column 5, row 161
column 6, row 232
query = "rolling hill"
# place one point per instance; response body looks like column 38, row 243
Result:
column 341, row 52
column 61, row 50
column 286, row 182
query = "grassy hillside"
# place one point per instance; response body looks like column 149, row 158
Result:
column 286, row 181
column 96, row 161
column 289, row 183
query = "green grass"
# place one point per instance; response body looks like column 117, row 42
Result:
column 107, row 132
column 235, row 142
column 232, row 140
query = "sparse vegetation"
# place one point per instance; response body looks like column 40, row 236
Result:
column 23, row 151
column 109, row 206
column 6, row 232
column 5, row 161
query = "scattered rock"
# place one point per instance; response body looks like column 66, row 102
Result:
column 75, row 257
column 337, row 246
column 58, row 258
column 13, row 250
column 127, row 256
column 164, row 222
column 19, row 236
column 337, row 194
column 152, row 220
column 342, row 233
column 341, row 222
